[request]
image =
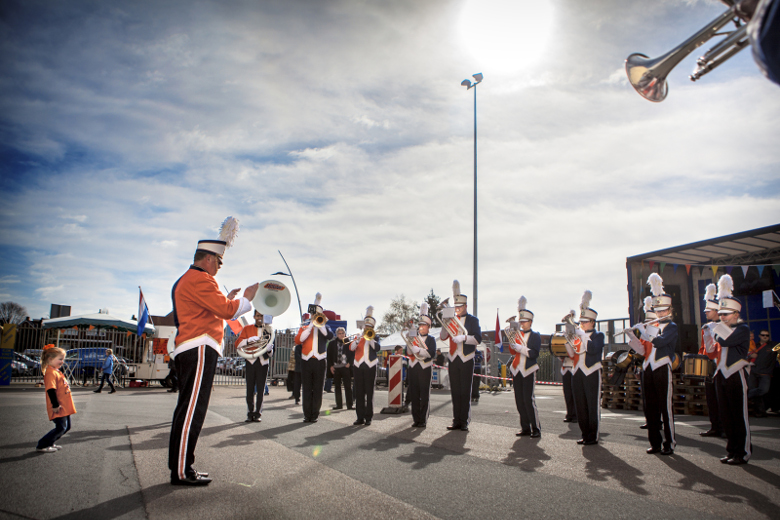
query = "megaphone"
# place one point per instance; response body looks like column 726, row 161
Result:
column 272, row 298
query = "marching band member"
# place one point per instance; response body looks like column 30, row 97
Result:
column 711, row 350
column 461, row 356
column 365, row 348
column 643, row 347
column 313, row 339
column 526, row 345
column 657, row 380
column 731, row 387
column 421, row 369
column 198, row 310
column 340, row 360
column 586, row 347
column 256, row 367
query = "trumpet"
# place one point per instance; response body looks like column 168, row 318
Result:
column 776, row 348
column 648, row 76
column 369, row 334
column 319, row 319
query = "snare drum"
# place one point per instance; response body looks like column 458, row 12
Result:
column 558, row 345
column 697, row 365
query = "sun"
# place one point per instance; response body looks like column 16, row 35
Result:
column 506, row 36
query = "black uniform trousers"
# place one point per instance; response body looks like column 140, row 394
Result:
column 568, row 397
column 586, row 391
column 312, row 384
column 297, row 386
column 732, row 404
column 343, row 375
column 712, row 405
column 365, row 379
column 461, row 379
column 475, row 386
column 256, row 373
column 419, row 392
column 196, row 368
column 526, row 402
column 658, row 392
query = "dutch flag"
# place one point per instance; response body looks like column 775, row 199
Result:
column 499, row 344
column 143, row 313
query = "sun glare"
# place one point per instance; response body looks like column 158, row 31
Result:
column 506, row 36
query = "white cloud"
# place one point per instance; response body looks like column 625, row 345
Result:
column 340, row 135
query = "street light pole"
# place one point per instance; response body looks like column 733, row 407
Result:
column 467, row 83
column 289, row 273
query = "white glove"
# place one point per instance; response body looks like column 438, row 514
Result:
column 524, row 350
column 460, row 338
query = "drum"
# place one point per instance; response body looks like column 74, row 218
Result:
column 558, row 345
column 697, row 365
column 624, row 359
column 675, row 362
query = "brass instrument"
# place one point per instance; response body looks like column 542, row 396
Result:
column 319, row 319
column 255, row 349
column 369, row 334
column 634, row 328
column 648, row 76
column 415, row 341
column 776, row 348
column 452, row 324
column 272, row 299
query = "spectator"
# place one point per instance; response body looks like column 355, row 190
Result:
column 763, row 359
column 108, row 370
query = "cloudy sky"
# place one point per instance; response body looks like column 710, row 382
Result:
column 338, row 133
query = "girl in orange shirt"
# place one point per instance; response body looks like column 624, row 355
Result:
column 59, row 401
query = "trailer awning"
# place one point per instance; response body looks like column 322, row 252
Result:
column 97, row 320
column 759, row 246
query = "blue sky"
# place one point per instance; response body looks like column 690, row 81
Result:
column 338, row 133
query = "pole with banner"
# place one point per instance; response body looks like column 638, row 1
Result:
column 7, row 353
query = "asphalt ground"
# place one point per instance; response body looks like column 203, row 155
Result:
column 114, row 463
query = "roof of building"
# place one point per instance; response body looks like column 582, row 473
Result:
column 758, row 246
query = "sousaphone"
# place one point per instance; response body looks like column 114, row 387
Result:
column 272, row 299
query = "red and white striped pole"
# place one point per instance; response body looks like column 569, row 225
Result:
column 395, row 402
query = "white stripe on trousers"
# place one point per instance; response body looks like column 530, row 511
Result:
column 669, row 406
column 748, row 441
column 185, row 431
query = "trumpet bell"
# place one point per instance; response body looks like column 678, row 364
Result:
column 642, row 76
column 369, row 335
column 272, row 298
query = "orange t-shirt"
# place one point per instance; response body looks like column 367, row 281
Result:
column 53, row 378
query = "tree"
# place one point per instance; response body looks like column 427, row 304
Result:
column 433, row 306
column 12, row 312
column 399, row 315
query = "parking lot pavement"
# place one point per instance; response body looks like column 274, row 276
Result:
column 113, row 463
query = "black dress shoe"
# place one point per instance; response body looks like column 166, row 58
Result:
column 653, row 450
column 464, row 428
column 193, row 480
column 306, row 419
column 667, row 451
column 336, row 407
column 368, row 422
column 590, row 443
column 726, row 459
column 581, row 441
column 736, row 461
column 711, row 433
column 422, row 425
column 569, row 419
column 201, row 474
column 358, row 422
column 643, row 427
column 248, row 417
column 453, row 427
column 415, row 425
column 523, row 433
column 96, row 391
column 313, row 420
column 256, row 417
column 297, row 401
column 536, row 434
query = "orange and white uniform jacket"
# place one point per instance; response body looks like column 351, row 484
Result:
column 313, row 341
column 198, row 310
